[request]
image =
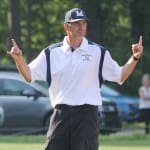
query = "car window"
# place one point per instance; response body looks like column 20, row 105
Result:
column 14, row 87
column 42, row 83
column 1, row 86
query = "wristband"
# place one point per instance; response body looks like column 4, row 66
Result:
column 135, row 58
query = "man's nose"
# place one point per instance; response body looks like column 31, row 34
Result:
column 81, row 26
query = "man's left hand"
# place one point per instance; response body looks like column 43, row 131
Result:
column 137, row 48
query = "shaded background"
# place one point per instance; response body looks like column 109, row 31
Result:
column 116, row 24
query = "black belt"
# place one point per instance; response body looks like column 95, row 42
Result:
column 67, row 107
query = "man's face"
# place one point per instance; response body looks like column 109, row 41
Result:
column 76, row 30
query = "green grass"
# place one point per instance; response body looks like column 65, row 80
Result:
column 22, row 139
column 21, row 146
column 123, row 148
column 126, row 140
column 111, row 142
column 22, row 142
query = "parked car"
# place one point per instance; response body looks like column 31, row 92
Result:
column 127, row 105
column 110, row 119
column 1, row 116
column 25, row 107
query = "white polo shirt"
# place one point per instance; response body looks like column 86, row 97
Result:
column 145, row 104
column 74, row 75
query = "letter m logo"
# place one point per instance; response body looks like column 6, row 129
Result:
column 79, row 13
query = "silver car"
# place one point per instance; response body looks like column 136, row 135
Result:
column 22, row 105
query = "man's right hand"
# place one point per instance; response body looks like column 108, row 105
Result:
column 21, row 64
column 15, row 51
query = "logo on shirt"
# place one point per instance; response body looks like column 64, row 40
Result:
column 86, row 57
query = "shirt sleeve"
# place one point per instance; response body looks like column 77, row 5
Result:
column 38, row 67
column 111, row 70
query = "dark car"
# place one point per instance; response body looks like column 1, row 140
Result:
column 110, row 119
column 127, row 105
column 1, row 116
column 25, row 107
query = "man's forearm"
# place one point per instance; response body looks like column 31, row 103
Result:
column 128, row 68
column 23, row 69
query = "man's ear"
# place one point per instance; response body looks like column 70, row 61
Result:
column 65, row 26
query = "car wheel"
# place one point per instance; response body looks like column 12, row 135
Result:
column 46, row 124
column 1, row 116
column 47, row 121
column 105, row 132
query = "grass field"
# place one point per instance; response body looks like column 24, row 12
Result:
column 112, row 142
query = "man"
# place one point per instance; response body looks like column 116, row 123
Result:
column 73, row 69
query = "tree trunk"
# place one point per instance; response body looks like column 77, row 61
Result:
column 14, row 20
column 93, row 11
column 29, row 29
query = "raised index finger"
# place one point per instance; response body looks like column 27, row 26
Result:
column 14, row 43
column 140, row 40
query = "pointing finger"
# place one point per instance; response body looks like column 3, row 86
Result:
column 140, row 40
column 14, row 43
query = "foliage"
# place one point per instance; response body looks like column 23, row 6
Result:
column 114, row 24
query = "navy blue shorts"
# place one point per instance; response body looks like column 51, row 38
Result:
column 73, row 128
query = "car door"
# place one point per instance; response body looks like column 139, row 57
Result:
column 19, row 110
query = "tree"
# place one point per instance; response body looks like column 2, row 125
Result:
column 95, row 19
column 140, row 24
column 114, row 24
column 14, row 19
column 3, row 31
column 29, row 4
column 140, row 15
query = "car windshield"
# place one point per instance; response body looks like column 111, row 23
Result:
column 105, row 90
